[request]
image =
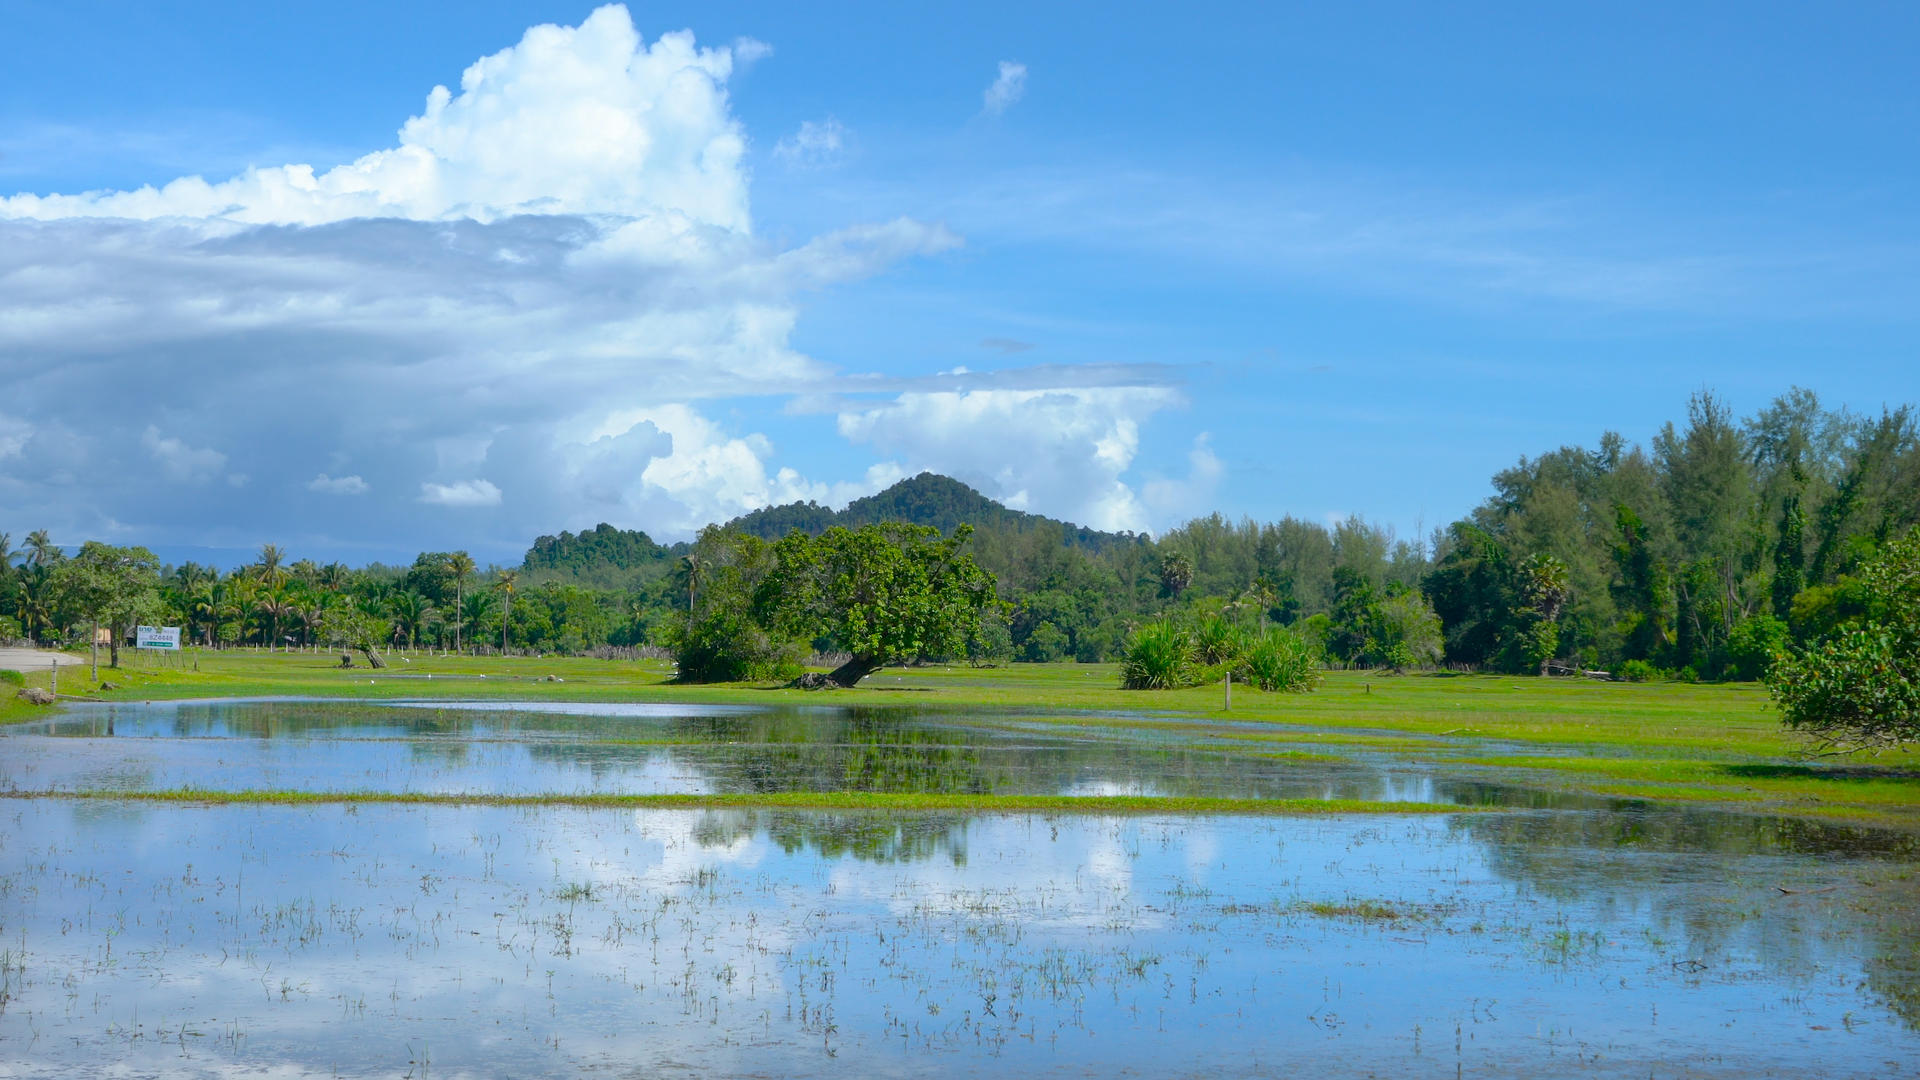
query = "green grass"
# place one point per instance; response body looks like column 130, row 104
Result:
column 1718, row 744
column 800, row 800
column 1360, row 910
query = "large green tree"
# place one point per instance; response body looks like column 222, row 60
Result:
column 112, row 588
column 883, row 593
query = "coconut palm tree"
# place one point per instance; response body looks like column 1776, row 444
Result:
column 274, row 603
column 505, row 583
column 309, row 605
column 7, row 552
column 461, row 564
column 36, row 601
column 333, row 576
column 692, row 568
column 269, row 568
column 412, row 613
column 236, row 603
column 476, row 608
column 203, row 609
column 40, row 549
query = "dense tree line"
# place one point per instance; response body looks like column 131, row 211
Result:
column 441, row 601
column 1703, row 553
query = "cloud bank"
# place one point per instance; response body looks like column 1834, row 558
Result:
column 513, row 320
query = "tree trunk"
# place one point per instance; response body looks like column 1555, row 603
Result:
column 851, row 672
column 373, row 658
column 94, row 651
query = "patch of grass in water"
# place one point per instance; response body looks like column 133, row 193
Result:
column 1360, row 910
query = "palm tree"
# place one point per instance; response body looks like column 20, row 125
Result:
column 692, row 566
column 203, row 609
column 1544, row 590
column 461, row 564
column 475, row 609
column 412, row 613
column 36, row 602
column 1262, row 595
column 309, row 605
column 270, row 570
column 274, row 603
column 237, row 602
column 505, row 583
column 40, row 549
column 7, row 553
column 333, row 576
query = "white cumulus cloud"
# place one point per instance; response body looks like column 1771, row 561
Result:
column 563, row 238
column 1008, row 87
column 572, row 120
column 464, row 493
column 1063, row 452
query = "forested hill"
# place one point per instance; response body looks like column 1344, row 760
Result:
column 602, row 555
column 926, row 499
column 622, row 558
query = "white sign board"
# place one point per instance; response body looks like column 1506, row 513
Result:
column 156, row 637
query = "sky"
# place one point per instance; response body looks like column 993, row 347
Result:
column 363, row 280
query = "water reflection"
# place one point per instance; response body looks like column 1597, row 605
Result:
column 655, row 749
column 369, row 940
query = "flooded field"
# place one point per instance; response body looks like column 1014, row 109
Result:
column 640, row 749
column 143, row 939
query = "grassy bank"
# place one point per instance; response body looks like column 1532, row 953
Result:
column 1715, row 744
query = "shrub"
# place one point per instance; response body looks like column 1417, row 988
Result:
column 1754, row 645
column 7, row 675
column 1046, row 643
column 1395, row 658
column 1159, row 657
column 724, row 645
column 1218, row 641
column 1281, row 660
column 1637, row 671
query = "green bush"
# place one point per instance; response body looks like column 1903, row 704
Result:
column 1217, row 641
column 1637, row 671
column 1754, row 645
column 1045, row 644
column 1159, row 657
column 1281, row 660
column 10, row 629
column 724, row 645
column 7, row 675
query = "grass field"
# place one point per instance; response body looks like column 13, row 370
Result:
column 1718, row 744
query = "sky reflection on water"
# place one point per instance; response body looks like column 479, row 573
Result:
column 1582, row 936
column 217, row 941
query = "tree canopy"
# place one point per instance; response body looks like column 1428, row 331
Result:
column 884, row 593
column 1859, row 688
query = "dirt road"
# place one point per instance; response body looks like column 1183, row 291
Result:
column 34, row 659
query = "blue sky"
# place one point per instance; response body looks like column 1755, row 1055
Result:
column 1311, row 260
